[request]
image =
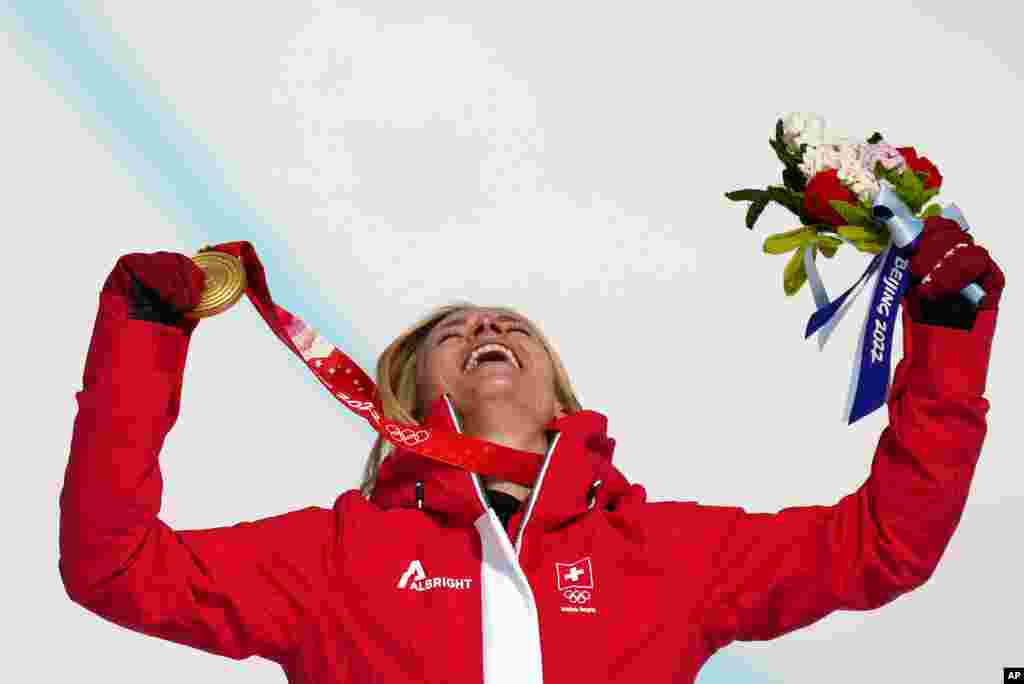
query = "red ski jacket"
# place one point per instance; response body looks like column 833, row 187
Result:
column 422, row 583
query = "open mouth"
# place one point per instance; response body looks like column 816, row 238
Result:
column 490, row 353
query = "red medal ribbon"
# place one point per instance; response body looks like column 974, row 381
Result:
column 356, row 391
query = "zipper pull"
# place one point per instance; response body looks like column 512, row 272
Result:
column 592, row 494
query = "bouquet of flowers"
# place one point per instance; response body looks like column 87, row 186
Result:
column 830, row 183
column 870, row 195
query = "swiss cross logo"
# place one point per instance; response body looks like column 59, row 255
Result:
column 576, row 581
column 578, row 575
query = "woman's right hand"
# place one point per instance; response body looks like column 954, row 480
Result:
column 158, row 287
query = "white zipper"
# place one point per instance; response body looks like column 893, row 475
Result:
column 510, row 623
column 534, row 492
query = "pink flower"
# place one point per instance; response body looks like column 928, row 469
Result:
column 883, row 153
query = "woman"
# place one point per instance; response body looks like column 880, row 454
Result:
column 431, row 573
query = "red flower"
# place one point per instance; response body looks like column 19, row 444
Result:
column 826, row 186
column 924, row 164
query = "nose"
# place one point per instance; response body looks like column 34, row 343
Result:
column 486, row 322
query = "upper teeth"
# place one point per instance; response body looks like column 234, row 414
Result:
column 474, row 358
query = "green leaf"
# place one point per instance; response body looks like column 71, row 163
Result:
column 929, row 194
column 828, row 245
column 794, row 201
column 910, row 189
column 891, row 175
column 870, row 246
column 875, row 138
column 794, row 275
column 780, row 141
column 852, row 213
column 784, row 154
column 855, row 233
column 794, row 179
column 780, row 243
column 746, row 195
column 932, row 210
column 755, row 210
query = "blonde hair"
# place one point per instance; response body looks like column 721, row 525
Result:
column 397, row 381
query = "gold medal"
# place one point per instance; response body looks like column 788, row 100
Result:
column 225, row 282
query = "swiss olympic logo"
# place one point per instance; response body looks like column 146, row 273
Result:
column 575, row 580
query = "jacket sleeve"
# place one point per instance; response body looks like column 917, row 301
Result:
column 247, row 589
column 773, row 573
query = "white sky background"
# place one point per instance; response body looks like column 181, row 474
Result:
column 566, row 160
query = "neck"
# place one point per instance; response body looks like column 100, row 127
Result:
column 509, row 428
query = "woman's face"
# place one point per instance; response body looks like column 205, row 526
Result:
column 511, row 366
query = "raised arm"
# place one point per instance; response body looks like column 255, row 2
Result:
column 248, row 589
column 773, row 573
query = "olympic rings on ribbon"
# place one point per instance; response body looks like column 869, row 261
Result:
column 360, row 405
column 409, row 437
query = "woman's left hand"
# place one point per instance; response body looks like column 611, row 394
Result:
column 946, row 261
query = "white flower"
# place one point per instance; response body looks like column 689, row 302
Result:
column 806, row 128
column 853, row 172
column 820, row 158
column 847, row 158
column 866, row 187
column 800, row 128
column 830, row 148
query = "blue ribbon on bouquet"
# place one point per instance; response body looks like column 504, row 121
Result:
column 869, row 382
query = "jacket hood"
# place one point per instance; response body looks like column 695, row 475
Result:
column 576, row 471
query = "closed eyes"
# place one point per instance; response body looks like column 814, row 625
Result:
column 452, row 334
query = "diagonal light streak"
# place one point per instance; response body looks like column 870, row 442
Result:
column 98, row 77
